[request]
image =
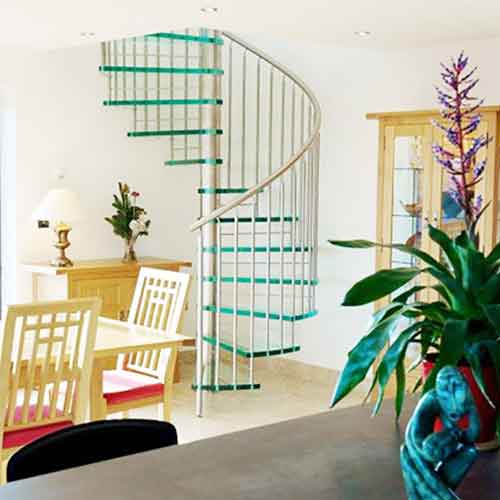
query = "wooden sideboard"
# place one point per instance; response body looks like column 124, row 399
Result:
column 110, row 279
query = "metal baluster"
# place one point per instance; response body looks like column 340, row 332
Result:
column 146, row 83
column 302, row 204
column 229, row 134
column 158, row 85
column 252, row 296
column 218, row 303
column 186, row 86
column 115, row 62
column 235, row 295
column 124, row 63
column 134, row 79
column 310, row 211
column 199, row 330
column 244, row 118
column 257, row 132
column 282, row 261
column 269, row 207
column 172, row 124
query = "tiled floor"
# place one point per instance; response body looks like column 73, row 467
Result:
column 289, row 390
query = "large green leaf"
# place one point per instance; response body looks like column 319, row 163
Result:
column 362, row 356
column 404, row 296
column 492, row 312
column 490, row 291
column 452, row 348
column 458, row 298
column 473, row 357
column 494, row 255
column 391, row 359
column 379, row 285
column 400, row 385
column 475, row 270
column 449, row 249
column 408, row 249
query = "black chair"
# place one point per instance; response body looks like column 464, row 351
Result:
column 89, row 443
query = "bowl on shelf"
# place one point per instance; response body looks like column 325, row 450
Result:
column 412, row 209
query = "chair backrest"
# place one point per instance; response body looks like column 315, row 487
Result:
column 159, row 299
column 45, row 362
column 89, row 443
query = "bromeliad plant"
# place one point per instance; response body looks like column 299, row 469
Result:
column 463, row 323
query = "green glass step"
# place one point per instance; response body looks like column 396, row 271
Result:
column 163, row 102
column 260, row 280
column 225, row 380
column 225, row 220
column 188, row 38
column 194, row 161
column 166, row 70
column 287, row 249
column 261, row 314
column 154, row 133
column 222, row 190
column 258, row 351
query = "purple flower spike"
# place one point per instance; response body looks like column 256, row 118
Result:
column 460, row 122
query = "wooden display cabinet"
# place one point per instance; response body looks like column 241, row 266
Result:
column 413, row 190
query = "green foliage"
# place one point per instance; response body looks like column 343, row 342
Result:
column 463, row 324
column 126, row 211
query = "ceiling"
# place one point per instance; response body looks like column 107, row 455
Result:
column 47, row 24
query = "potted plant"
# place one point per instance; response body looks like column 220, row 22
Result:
column 130, row 220
column 462, row 326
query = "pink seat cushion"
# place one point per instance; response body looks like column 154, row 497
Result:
column 121, row 386
column 13, row 439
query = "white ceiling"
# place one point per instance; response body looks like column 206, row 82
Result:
column 394, row 23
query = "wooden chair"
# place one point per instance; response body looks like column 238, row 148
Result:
column 146, row 378
column 45, row 369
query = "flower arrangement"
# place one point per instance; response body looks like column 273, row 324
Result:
column 462, row 325
column 129, row 222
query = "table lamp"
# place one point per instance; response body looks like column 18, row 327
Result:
column 60, row 207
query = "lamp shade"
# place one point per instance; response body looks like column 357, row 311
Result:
column 59, row 205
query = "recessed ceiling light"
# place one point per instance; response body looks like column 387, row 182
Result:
column 209, row 10
column 362, row 34
column 87, row 34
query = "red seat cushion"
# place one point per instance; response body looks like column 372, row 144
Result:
column 121, row 386
column 13, row 439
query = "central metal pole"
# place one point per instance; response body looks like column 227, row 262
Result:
column 210, row 178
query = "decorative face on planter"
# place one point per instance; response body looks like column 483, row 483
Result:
column 453, row 394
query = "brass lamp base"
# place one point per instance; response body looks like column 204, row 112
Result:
column 62, row 243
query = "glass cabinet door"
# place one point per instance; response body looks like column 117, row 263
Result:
column 406, row 197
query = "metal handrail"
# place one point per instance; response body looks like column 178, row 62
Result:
column 291, row 162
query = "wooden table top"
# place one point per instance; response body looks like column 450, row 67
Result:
column 341, row 455
column 117, row 337
column 102, row 264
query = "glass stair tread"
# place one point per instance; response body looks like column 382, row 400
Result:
column 260, row 314
column 194, row 161
column 260, row 280
column 162, row 102
column 188, row 38
column 243, row 348
column 222, row 190
column 160, row 69
column 226, row 220
column 226, row 380
column 184, row 132
column 258, row 249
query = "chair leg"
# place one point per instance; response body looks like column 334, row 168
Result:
column 3, row 471
column 165, row 411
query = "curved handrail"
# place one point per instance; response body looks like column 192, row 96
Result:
column 291, row 162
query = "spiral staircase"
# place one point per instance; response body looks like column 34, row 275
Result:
column 252, row 128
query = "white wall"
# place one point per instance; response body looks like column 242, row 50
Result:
column 61, row 123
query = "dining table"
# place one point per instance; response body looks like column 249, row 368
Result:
column 115, row 338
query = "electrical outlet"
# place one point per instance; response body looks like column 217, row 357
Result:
column 43, row 224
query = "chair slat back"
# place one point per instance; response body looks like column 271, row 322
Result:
column 46, row 361
column 158, row 303
column 159, row 299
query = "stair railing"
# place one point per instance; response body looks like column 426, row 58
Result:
column 271, row 121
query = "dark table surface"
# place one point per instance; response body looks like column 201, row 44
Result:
column 341, row 455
